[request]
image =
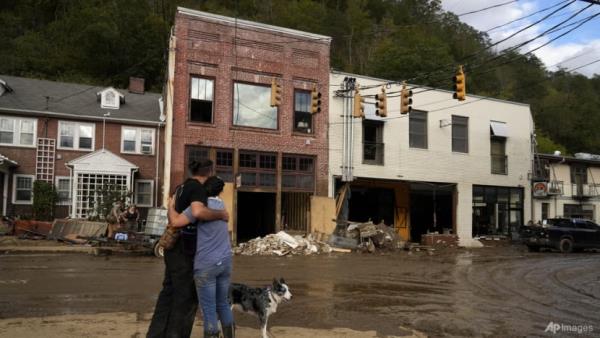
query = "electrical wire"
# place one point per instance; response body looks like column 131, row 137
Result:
column 487, row 8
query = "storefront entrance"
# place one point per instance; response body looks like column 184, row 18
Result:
column 497, row 211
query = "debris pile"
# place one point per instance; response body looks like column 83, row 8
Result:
column 372, row 236
column 282, row 244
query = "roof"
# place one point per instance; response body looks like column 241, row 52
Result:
column 43, row 97
column 10, row 163
column 567, row 159
column 251, row 24
column 102, row 161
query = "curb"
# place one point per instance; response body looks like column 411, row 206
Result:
column 96, row 251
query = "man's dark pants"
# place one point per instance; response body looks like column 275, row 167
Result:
column 177, row 302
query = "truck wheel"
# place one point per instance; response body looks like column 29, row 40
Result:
column 566, row 245
column 533, row 248
column 159, row 251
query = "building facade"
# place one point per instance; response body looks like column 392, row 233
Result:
column 448, row 167
column 80, row 138
column 218, row 106
column 566, row 186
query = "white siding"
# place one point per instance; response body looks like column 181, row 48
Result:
column 438, row 163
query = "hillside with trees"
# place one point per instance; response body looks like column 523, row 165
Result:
column 105, row 41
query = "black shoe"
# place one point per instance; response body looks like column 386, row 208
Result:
column 229, row 331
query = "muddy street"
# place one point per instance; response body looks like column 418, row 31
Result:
column 503, row 291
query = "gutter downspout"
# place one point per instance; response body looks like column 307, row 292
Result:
column 156, row 171
column 169, row 120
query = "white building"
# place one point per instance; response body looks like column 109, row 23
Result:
column 566, row 187
column 448, row 167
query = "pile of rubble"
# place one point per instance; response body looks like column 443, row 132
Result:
column 370, row 236
column 282, row 244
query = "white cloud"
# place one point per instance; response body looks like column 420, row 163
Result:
column 551, row 54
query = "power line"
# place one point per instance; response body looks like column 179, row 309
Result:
column 486, row 8
column 524, row 17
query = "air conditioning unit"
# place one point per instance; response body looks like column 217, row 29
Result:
column 146, row 149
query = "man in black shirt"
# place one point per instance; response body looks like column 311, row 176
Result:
column 177, row 302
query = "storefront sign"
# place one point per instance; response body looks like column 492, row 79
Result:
column 540, row 189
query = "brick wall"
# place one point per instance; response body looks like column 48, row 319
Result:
column 205, row 48
column 48, row 128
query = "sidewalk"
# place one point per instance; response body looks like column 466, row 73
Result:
column 11, row 244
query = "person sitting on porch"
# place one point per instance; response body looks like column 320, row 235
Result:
column 114, row 219
column 131, row 218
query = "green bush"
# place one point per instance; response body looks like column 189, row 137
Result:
column 44, row 200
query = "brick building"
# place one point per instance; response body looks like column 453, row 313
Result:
column 218, row 96
column 79, row 138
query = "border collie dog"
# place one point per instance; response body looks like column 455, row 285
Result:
column 261, row 302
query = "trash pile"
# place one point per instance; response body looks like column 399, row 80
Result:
column 282, row 244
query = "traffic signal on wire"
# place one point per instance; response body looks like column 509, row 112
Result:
column 381, row 103
column 358, row 109
column 460, row 85
column 405, row 100
column 315, row 96
column 275, row 94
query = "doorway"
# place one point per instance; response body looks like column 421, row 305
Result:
column 431, row 209
column 255, row 215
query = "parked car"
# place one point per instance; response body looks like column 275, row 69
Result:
column 564, row 234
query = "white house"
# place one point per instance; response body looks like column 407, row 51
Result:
column 566, row 186
column 448, row 167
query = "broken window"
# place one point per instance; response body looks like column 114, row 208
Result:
column 201, row 100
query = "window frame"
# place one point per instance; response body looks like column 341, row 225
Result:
column 70, row 190
column 257, row 170
column 16, row 130
column 426, row 129
column 76, row 136
column 466, row 138
column 583, row 169
column 492, row 155
column 312, row 119
column 189, row 109
column 138, row 140
column 14, row 189
column 297, row 172
column 378, row 142
column 135, row 193
column 233, row 92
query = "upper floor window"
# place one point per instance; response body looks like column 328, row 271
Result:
column 137, row 140
column 460, row 134
column 251, row 106
column 372, row 142
column 76, row 135
column 17, row 131
column 417, row 129
column 201, row 100
column 303, row 119
column 498, row 155
column 579, row 174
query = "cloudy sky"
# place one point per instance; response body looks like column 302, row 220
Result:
column 573, row 50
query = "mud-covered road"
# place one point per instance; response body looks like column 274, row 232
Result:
column 503, row 291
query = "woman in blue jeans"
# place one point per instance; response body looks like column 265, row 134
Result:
column 212, row 262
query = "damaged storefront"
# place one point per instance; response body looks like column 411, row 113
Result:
column 412, row 209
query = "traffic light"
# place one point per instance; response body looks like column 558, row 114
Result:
column 405, row 100
column 275, row 94
column 460, row 85
column 381, row 103
column 315, row 95
column 358, row 110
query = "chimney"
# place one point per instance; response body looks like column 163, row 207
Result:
column 136, row 85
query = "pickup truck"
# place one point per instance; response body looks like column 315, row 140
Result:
column 564, row 234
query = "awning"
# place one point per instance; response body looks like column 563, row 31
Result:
column 499, row 129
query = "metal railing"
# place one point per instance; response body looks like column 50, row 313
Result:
column 556, row 188
column 584, row 190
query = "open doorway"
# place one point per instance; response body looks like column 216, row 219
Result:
column 431, row 209
column 255, row 215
